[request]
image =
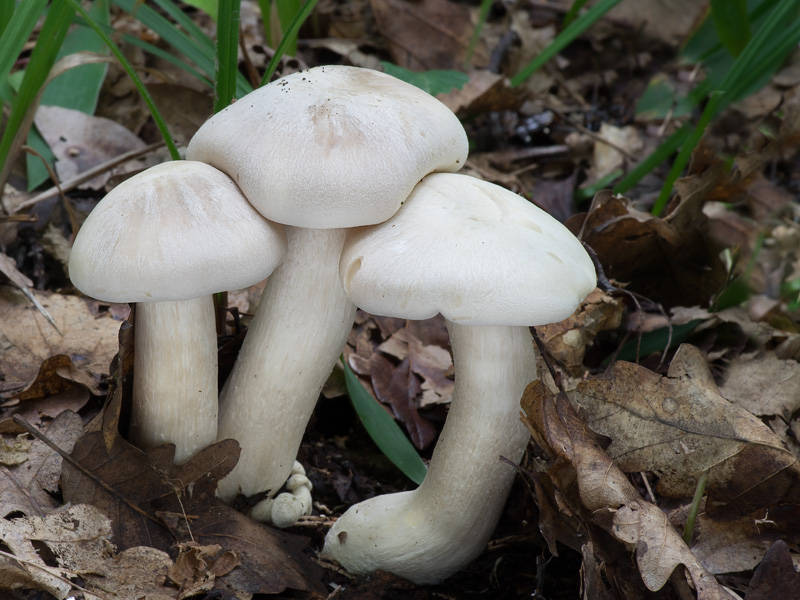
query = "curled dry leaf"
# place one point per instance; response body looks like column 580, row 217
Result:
column 607, row 494
column 566, row 341
column 679, row 426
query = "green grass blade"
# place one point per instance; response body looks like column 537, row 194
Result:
column 573, row 13
column 186, row 22
column 18, row 30
column 168, row 57
column 288, row 36
column 227, row 52
column 662, row 153
column 732, row 24
column 54, row 30
column 162, row 126
column 434, row 81
column 287, row 11
column 577, row 27
column 486, row 5
column 383, row 430
column 77, row 89
column 6, row 14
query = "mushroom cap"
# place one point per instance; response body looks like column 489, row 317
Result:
column 331, row 146
column 176, row 231
column 471, row 250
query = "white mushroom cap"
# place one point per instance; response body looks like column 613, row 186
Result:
column 332, row 146
column 471, row 250
column 176, row 231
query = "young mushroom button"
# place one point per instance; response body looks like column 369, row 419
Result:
column 319, row 151
column 492, row 264
column 167, row 239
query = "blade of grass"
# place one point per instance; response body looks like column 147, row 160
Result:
column 574, row 10
column 383, row 430
column 764, row 49
column 476, row 33
column 227, row 52
column 20, row 26
column 188, row 24
column 287, row 11
column 288, row 35
column 577, row 27
column 51, row 36
column 159, row 121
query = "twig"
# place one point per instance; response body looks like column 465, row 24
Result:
column 592, row 134
column 67, row 457
column 87, row 175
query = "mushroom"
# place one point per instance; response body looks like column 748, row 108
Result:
column 493, row 264
column 167, row 239
column 319, row 151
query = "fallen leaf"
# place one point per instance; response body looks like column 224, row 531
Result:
column 605, row 492
column 763, row 384
column 679, row 426
column 26, row 340
column 776, row 576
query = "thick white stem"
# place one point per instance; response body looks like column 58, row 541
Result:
column 175, row 376
column 298, row 331
column 427, row 534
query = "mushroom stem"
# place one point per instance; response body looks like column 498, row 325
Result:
column 298, row 331
column 427, row 534
column 175, row 376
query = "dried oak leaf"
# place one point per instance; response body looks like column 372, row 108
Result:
column 81, row 352
column 776, row 576
column 679, row 426
column 669, row 260
column 604, row 491
column 611, row 499
column 438, row 31
column 763, row 384
column 155, row 502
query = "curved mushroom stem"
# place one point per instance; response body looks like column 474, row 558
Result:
column 427, row 534
column 298, row 331
column 175, row 376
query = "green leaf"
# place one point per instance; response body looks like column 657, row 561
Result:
column 655, row 341
column 732, row 24
column 660, row 99
column 16, row 33
column 383, row 429
column 434, row 82
column 207, row 6
column 288, row 39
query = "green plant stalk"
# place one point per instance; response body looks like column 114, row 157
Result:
column 54, row 30
column 287, row 10
column 289, row 35
column 566, row 37
column 694, row 509
column 476, row 33
column 227, row 52
column 183, row 20
column 162, row 126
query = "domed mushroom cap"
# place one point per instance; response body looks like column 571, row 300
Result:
column 331, row 146
column 471, row 250
column 176, row 231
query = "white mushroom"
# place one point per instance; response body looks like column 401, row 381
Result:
column 167, row 239
column 319, row 150
column 492, row 264
column 284, row 509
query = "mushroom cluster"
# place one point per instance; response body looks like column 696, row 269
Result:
column 341, row 183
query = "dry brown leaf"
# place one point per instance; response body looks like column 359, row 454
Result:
column 668, row 260
column 606, row 493
column 26, row 340
column 77, row 536
column 763, row 384
column 81, row 142
column 679, row 426
column 606, row 157
column 776, row 576
column 31, row 485
column 567, row 341
column 434, row 34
